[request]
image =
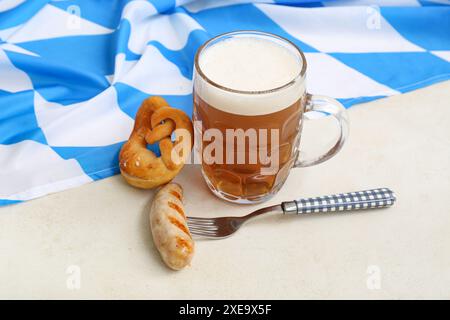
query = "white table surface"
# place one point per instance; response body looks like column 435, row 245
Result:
column 402, row 142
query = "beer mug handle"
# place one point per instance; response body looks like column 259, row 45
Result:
column 331, row 107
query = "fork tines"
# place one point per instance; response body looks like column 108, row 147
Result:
column 202, row 226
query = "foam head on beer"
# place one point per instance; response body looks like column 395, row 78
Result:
column 250, row 64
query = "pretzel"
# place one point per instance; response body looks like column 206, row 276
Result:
column 155, row 122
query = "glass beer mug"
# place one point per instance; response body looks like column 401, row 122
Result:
column 250, row 102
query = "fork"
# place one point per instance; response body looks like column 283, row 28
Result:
column 218, row 228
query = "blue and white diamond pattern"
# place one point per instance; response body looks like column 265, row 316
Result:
column 73, row 73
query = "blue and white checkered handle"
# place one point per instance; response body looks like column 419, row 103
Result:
column 368, row 199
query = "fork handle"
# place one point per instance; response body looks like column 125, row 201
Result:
column 368, row 199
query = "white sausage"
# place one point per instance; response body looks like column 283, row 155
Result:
column 169, row 227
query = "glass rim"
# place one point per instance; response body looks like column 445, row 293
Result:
column 262, row 33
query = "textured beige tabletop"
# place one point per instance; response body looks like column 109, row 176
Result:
column 94, row 241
